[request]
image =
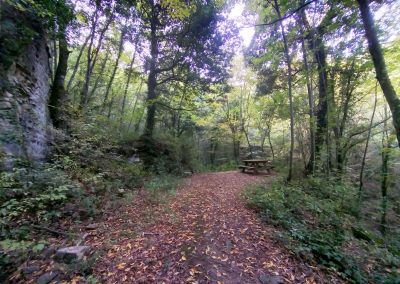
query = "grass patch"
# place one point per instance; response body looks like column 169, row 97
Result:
column 159, row 188
column 318, row 221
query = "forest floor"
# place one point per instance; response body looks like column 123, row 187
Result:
column 203, row 234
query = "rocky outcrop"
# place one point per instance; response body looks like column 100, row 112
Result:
column 24, row 119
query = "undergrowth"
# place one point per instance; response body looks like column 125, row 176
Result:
column 92, row 170
column 159, row 187
column 318, row 222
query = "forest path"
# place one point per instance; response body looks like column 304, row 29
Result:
column 205, row 234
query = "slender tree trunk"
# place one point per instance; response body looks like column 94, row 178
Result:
column 85, row 87
column 58, row 95
column 92, row 59
column 110, row 105
column 382, row 75
column 139, row 122
column 311, row 164
column 177, row 116
column 384, row 188
column 135, row 104
column 213, row 150
column 234, row 143
column 152, row 78
column 361, row 184
column 322, row 112
column 247, row 139
column 341, row 123
column 100, row 76
column 55, row 56
column 127, row 85
column 384, row 175
column 289, row 65
column 120, row 49
column 329, row 109
column 315, row 39
column 263, row 138
column 270, row 142
column 78, row 60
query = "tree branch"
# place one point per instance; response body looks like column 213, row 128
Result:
column 284, row 17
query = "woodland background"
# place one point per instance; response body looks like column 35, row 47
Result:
column 102, row 98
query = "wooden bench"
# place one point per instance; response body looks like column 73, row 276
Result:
column 269, row 168
column 244, row 168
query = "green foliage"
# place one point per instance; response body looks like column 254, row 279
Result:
column 167, row 154
column 100, row 159
column 84, row 267
column 319, row 225
column 88, row 169
column 225, row 165
column 33, row 192
column 159, row 187
column 23, row 20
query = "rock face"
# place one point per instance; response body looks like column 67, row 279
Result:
column 24, row 119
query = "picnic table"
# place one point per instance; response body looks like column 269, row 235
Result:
column 255, row 165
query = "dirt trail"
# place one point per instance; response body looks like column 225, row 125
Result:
column 204, row 235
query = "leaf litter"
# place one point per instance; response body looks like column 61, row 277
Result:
column 203, row 234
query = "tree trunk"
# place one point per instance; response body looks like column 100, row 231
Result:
column 360, row 188
column 315, row 39
column 139, row 122
column 384, row 175
column 78, row 60
column 235, row 150
column 177, row 115
column 384, row 187
column 96, row 83
column 85, row 87
column 135, row 104
column 92, row 59
column 110, row 105
column 289, row 65
column 127, row 85
column 152, row 78
column 59, row 96
column 343, row 114
column 213, row 151
column 55, row 56
column 120, row 49
column 270, row 142
column 311, row 164
column 380, row 66
column 322, row 111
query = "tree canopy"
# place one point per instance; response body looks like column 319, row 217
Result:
column 141, row 92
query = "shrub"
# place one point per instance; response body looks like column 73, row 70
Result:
column 318, row 222
column 28, row 192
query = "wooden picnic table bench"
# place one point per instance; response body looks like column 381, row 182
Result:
column 243, row 168
column 256, row 164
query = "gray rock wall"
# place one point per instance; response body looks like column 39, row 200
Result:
column 24, row 119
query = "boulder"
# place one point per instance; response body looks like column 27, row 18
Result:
column 70, row 254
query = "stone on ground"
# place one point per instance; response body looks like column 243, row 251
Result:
column 69, row 254
column 47, row 277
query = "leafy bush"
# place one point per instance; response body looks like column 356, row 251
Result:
column 166, row 154
column 34, row 192
column 319, row 224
